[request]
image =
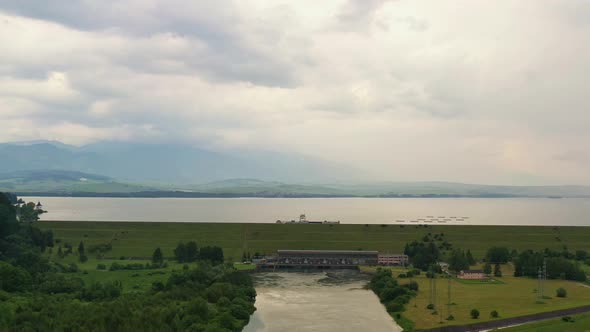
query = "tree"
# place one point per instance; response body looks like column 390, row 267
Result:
column 470, row 259
column 458, row 261
column 474, row 313
column 494, row 314
column 213, row 254
column 82, row 252
column 60, row 253
column 8, row 222
column 487, row 268
column 581, row 255
column 180, row 253
column 157, row 257
column 497, row 270
column 13, row 278
column 29, row 213
column 498, row 255
column 561, row 292
column 192, row 251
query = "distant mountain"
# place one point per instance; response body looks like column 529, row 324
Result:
column 63, row 182
column 166, row 163
column 50, row 166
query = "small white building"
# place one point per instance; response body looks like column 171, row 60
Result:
column 392, row 259
column 472, row 274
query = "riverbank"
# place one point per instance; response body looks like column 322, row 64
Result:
column 514, row 298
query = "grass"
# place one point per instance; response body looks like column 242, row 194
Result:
column 510, row 296
column 581, row 323
column 136, row 239
column 132, row 280
column 244, row 267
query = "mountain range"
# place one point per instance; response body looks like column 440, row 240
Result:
column 166, row 163
column 156, row 170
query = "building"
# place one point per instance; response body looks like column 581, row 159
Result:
column 303, row 220
column 39, row 206
column 472, row 274
column 392, row 259
column 325, row 258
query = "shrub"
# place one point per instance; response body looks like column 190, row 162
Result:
column 451, row 317
column 430, row 306
column 101, row 266
column 412, row 285
column 561, row 292
column 474, row 313
column 494, row 314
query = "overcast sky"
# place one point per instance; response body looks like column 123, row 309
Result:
column 472, row 91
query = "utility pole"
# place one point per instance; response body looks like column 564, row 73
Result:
column 449, row 295
column 544, row 277
column 539, row 285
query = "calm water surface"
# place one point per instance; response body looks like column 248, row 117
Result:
column 480, row 211
column 290, row 301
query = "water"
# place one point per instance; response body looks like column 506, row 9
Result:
column 481, row 211
column 317, row 302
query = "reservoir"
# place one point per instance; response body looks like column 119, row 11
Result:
column 317, row 301
column 465, row 211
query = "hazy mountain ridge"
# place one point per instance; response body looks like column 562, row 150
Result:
column 109, row 167
column 60, row 181
column 166, row 163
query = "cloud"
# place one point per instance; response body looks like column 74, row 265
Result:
column 466, row 91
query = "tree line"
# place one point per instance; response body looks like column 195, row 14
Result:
column 37, row 294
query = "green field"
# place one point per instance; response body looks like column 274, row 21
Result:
column 511, row 297
column 133, row 239
column 581, row 323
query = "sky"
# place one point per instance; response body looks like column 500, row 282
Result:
column 472, row 91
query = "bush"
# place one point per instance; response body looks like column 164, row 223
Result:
column 101, row 266
column 561, row 292
column 451, row 317
column 412, row 285
column 494, row 314
column 430, row 306
column 474, row 313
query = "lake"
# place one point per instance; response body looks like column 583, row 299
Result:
column 477, row 211
column 317, row 301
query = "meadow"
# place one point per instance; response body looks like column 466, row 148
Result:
column 138, row 240
column 579, row 323
column 510, row 296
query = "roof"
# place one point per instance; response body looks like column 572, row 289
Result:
column 333, row 252
column 472, row 271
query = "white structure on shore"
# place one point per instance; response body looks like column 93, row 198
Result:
column 303, row 220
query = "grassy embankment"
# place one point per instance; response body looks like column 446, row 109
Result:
column 511, row 297
column 580, row 323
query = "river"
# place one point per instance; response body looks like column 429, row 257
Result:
column 478, row 211
column 317, row 301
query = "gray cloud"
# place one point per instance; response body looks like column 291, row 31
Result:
column 408, row 90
